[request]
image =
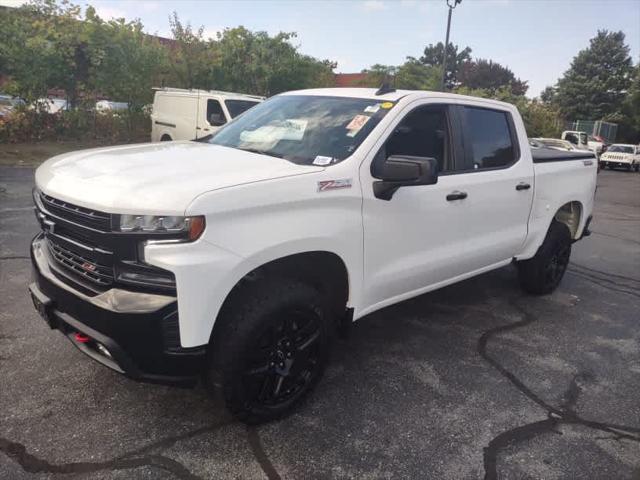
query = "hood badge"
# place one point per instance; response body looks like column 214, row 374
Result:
column 326, row 185
column 89, row 267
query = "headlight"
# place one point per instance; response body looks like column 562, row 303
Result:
column 191, row 226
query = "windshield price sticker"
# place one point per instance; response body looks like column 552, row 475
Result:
column 322, row 161
column 356, row 124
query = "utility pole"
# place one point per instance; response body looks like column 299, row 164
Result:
column 451, row 4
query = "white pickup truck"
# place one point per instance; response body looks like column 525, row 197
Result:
column 236, row 260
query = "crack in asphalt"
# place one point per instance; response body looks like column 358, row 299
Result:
column 138, row 457
column 616, row 283
column 33, row 464
column 564, row 414
column 260, row 455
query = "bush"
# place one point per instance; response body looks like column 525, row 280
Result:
column 28, row 125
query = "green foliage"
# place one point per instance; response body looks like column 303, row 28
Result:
column 30, row 125
column 489, row 75
column 411, row 75
column 595, row 85
column 433, row 55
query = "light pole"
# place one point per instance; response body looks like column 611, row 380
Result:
column 451, row 4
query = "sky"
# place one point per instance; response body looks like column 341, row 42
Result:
column 536, row 39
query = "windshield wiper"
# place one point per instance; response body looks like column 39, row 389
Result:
column 261, row 152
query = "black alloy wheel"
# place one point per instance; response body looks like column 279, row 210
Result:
column 285, row 360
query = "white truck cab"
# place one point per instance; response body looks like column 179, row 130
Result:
column 236, row 258
column 578, row 139
column 180, row 114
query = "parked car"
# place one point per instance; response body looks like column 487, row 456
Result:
column 180, row 114
column 51, row 105
column 578, row 139
column 109, row 106
column 8, row 103
column 237, row 259
column 553, row 143
column 621, row 155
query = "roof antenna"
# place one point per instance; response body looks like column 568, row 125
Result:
column 385, row 87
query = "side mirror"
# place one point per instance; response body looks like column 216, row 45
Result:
column 217, row 120
column 403, row 171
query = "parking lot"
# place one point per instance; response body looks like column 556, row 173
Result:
column 477, row 380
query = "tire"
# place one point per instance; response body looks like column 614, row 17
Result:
column 165, row 138
column 271, row 348
column 543, row 273
column 636, row 167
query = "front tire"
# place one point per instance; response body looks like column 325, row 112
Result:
column 543, row 273
column 271, row 348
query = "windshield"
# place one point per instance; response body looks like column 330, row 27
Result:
column 620, row 148
column 236, row 107
column 309, row 130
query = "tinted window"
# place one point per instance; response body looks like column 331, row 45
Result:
column 489, row 137
column 422, row 133
column 236, row 107
column 215, row 115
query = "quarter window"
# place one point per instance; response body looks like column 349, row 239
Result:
column 489, row 138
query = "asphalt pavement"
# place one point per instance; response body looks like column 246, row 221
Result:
column 477, row 380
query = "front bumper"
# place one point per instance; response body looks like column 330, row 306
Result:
column 616, row 163
column 133, row 333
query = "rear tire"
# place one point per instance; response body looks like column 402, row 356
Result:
column 270, row 349
column 543, row 273
column 165, row 138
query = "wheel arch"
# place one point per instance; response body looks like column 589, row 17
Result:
column 323, row 269
column 571, row 215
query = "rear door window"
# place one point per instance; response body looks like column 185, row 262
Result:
column 489, row 140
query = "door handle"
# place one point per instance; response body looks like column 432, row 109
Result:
column 456, row 196
column 523, row 186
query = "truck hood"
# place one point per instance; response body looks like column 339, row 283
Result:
column 158, row 178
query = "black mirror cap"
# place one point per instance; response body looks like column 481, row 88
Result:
column 404, row 171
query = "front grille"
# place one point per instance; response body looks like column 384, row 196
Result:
column 80, row 265
column 80, row 215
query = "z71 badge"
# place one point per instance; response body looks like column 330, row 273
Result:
column 326, row 185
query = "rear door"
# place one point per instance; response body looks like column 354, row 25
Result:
column 498, row 179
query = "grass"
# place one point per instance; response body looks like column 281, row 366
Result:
column 33, row 154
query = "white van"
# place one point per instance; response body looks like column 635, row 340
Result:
column 180, row 114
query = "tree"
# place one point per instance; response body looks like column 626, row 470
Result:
column 548, row 95
column 29, row 51
column 120, row 50
column 411, row 75
column 596, row 83
column 489, row 75
column 433, row 55
column 193, row 58
column 254, row 62
column 629, row 128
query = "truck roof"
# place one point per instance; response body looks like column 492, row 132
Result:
column 370, row 93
